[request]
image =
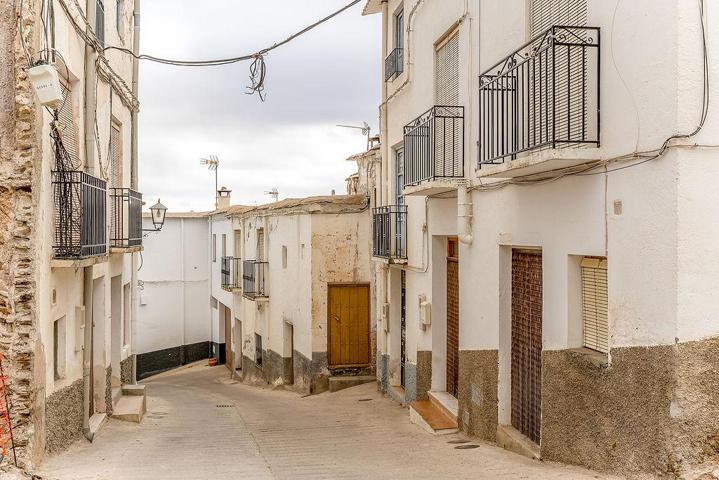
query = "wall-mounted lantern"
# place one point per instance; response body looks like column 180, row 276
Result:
column 157, row 211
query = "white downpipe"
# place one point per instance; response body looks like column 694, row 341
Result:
column 464, row 215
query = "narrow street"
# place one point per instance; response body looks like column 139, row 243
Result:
column 199, row 425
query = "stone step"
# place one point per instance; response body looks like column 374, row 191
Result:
column 340, row 383
column 445, row 402
column 116, row 394
column 432, row 418
column 130, row 408
column 138, row 390
column 96, row 422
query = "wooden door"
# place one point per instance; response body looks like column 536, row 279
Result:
column 348, row 333
column 228, row 338
column 452, row 317
column 527, row 343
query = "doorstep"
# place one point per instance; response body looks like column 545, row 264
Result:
column 445, row 402
column 342, row 382
column 513, row 440
column 431, row 418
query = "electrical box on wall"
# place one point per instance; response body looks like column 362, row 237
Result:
column 79, row 327
column 385, row 317
column 425, row 312
column 46, row 82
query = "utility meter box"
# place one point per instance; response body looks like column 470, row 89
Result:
column 385, row 316
column 425, row 312
column 46, row 82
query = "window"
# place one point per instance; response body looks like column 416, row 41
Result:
column 115, row 156
column 214, row 247
column 258, row 350
column 447, row 70
column 119, row 17
column 100, row 22
column 399, row 29
column 595, row 304
column 284, row 256
column 224, row 245
column 260, row 244
column 58, row 341
column 238, row 244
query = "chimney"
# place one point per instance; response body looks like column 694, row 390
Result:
column 223, row 198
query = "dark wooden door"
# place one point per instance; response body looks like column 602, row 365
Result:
column 228, row 338
column 452, row 317
column 348, row 335
column 527, row 343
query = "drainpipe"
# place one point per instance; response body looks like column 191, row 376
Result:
column 134, row 183
column 464, row 215
column 90, row 105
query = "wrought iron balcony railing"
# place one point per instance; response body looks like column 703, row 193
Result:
column 125, row 218
column 394, row 64
column 80, row 215
column 434, row 146
column 389, row 232
column 254, row 278
column 544, row 95
column 231, row 272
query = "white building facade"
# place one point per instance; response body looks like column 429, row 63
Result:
column 543, row 227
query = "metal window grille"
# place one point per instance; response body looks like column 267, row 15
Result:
column 389, row 232
column 231, row 271
column 434, row 145
column 394, row 64
column 595, row 304
column 546, row 94
column 80, row 211
column 254, row 278
column 125, row 218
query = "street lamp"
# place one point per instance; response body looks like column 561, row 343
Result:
column 157, row 211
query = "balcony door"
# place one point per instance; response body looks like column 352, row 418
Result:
column 399, row 227
column 446, row 82
column 548, row 13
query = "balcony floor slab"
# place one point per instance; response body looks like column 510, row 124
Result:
column 539, row 162
column 78, row 263
column 135, row 249
column 433, row 187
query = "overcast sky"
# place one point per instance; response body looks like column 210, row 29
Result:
column 290, row 142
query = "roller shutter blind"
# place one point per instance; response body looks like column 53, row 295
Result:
column 548, row 13
column 68, row 126
column 115, row 157
column 447, row 71
column 595, row 304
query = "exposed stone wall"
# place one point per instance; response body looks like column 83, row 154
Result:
column 63, row 416
column 108, row 391
column 383, row 374
column 20, row 157
column 126, row 371
column 424, row 374
column 616, row 418
column 478, row 380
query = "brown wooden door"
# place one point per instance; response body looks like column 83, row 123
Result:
column 527, row 343
column 228, row 338
column 348, row 336
column 452, row 317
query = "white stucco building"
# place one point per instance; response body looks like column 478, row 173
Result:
column 73, row 224
column 542, row 266
column 173, row 325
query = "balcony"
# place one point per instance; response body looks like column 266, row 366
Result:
column 394, row 64
column 80, row 218
column 231, row 272
column 254, row 278
column 434, row 151
column 125, row 220
column 540, row 105
column 389, row 233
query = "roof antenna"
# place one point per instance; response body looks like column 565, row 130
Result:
column 274, row 194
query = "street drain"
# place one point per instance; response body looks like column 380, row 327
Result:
column 458, row 441
column 364, row 400
column 224, row 406
column 466, row 447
